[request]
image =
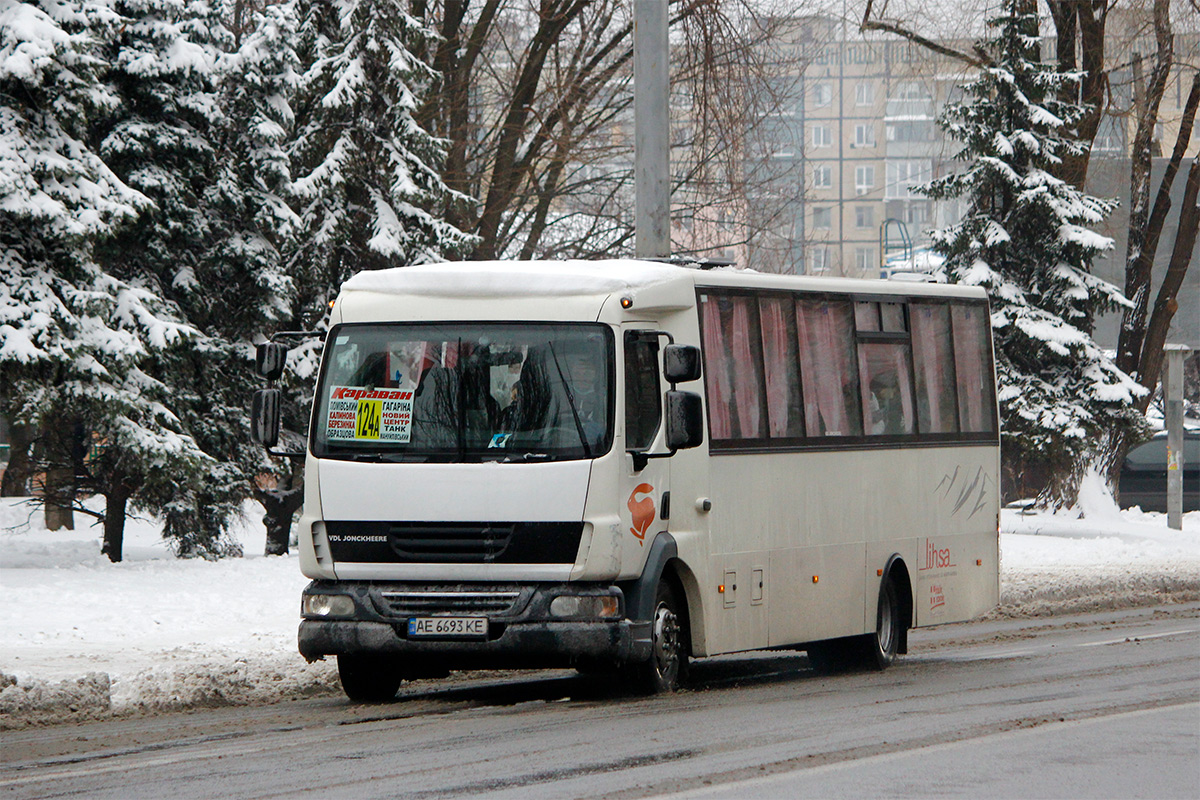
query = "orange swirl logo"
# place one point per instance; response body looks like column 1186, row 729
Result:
column 642, row 511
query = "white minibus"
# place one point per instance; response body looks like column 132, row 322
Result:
column 628, row 464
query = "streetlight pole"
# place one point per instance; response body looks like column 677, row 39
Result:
column 652, row 144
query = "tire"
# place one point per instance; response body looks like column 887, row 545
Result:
column 666, row 669
column 368, row 679
column 878, row 650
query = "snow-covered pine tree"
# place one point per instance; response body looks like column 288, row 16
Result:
column 366, row 174
column 259, row 230
column 76, row 340
column 159, row 139
column 1025, row 238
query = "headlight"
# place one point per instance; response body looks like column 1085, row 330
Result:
column 572, row 606
column 327, row 605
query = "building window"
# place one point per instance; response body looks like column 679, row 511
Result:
column 864, row 94
column 864, row 136
column 917, row 214
column 822, row 217
column 910, row 131
column 864, row 179
column 818, row 259
column 864, row 216
column 822, row 95
column 904, row 175
column 823, row 176
column 821, row 136
column 864, row 259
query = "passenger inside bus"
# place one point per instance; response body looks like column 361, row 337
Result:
column 886, row 410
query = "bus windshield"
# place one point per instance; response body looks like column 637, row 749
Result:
column 471, row 392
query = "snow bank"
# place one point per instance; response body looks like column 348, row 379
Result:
column 1107, row 559
column 83, row 638
column 86, row 638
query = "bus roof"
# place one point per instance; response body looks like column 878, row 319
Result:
column 485, row 279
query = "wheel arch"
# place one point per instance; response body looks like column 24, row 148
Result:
column 663, row 563
column 687, row 589
column 897, row 572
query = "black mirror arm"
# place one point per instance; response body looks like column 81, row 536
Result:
column 294, row 455
column 641, row 458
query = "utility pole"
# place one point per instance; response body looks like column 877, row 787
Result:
column 1173, row 399
column 652, row 142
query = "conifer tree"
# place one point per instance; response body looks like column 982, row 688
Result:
column 260, row 234
column 77, row 341
column 1025, row 238
column 366, row 174
column 160, row 139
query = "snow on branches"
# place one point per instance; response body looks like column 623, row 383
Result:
column 1025, row 238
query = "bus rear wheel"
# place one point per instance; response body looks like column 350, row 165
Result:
column 878, row 650
column 666, row 669
column 368, row 679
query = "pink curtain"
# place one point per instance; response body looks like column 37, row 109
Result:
column 828, row 371
column 934, row 366
column 745, row 372
column 716, row 373
column 900, row 361
column 779, row 367
column 969, row 344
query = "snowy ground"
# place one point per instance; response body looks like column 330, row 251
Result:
column 83, row 638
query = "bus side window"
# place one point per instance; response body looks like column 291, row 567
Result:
column 976, row 401
column 643, row 397
column 933, row 360
column 886, row 371
column 827, row 367
column 785, row 405
column 733, row 367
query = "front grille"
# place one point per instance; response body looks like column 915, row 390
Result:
column 414, row 603
column 451, row 542
column 454, row 542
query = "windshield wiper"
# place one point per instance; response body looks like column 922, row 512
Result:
column 587, row 450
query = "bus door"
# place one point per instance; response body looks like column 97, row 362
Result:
column 645, row 482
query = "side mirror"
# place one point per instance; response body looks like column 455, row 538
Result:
column 269, row 359
column 685, row 420
column 681, row 363
column 264, row 417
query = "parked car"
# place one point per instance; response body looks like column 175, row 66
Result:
column 1143, row 479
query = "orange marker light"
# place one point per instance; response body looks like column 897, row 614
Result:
column 816, row 578
column 979, row 562
column 879, row 573
column 721, row 589
column 626, row 302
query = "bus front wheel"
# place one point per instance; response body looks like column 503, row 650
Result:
column 666, row 669
column 368, row 679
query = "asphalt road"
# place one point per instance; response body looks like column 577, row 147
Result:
column 1100, row 705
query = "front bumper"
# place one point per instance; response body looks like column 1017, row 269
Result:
column 521, row 645
column 524, row 636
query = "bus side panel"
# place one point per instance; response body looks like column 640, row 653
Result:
column 818, row 591
column 956, row 578
column 957, row 570
column 822, row 525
